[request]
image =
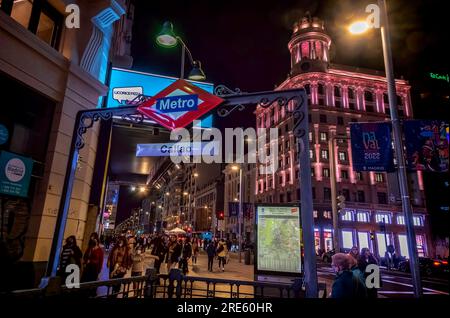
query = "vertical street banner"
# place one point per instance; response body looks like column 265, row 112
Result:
column 372, row 146
column 427, row 144
column 233, row 209
column 15, row 174
column 247, row 209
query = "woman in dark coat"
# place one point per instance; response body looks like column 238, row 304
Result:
column 71, row 254
column 366, row 258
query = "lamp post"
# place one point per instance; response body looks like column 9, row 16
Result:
column 360, row 27
column 167, row 38
column 235, row 168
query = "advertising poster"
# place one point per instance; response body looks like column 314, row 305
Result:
column 15, row 174
column 278, row 239
column 427, row 144
column 371, row 146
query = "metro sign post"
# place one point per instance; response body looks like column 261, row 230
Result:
column 179, row 104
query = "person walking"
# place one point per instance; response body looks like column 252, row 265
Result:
column 211, row 252
column 195, row 251
column 354, row 252
column 346, row 284
column 71, row 254
column 222, row 252
column 119, row 259
column 366, row 258
column 92, row 259
column 174, row 252
column 186, row 253
column 158, row 250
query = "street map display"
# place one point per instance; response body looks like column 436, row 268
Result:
column 278, row 234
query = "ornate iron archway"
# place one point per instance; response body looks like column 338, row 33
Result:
column 234, row 101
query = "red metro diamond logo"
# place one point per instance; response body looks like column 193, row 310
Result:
column 179, row 104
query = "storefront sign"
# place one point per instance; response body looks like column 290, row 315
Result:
column 175, row 149
column 371, row 146
column 278, row 240
column 427, row 143
column 15, row 174
column 443, row 77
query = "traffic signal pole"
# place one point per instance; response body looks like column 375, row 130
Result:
column 333, row 185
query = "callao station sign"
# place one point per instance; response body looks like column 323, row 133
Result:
column 179, row 104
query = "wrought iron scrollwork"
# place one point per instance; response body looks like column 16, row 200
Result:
column 222, row 90
column 224, row 112
column 135, row 118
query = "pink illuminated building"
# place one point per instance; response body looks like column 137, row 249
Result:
column 337, row 96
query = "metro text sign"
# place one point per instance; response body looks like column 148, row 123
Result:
column 179, row 104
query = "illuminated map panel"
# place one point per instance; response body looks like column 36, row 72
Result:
column 278, row 239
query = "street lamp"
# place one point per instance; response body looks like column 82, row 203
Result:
column 167, row 38
column 359, row 28
column 236, row 168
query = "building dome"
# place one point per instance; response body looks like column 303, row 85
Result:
column 309, row 46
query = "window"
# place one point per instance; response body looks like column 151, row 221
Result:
column 311, row 154
column 359, row 176
column 403, row 243
column 323, row 136
column 363, row 239
column 369, row 108
column 320, row 89
column 287, row 144
column 39, row 17
column 286, row 127
column 347, row 239
column 400, row 220
column 280, row 163
column 315, row 214
column 361, row 196
column 308, row 89
column 323, row 118
column 344, row 174
column 347, row 216
column 382, row 197
column 362, row 217
column 326, row 172
column 288, row 161
column 288, row 177
column 337, row 103
column 368, row 96
column 383, row 217
column 418, row 220
column 351, row 93
column 379, row 177
column 289, row 197
column 340, row 120
column 327, row 194
column 385, row 98
column 399, row 100
column 327, row 214
column 310, row 136
column 381, row 240
column 342, row 156
column 281, row 198
column 346, row 194
column 324, row 154
column 351, row 105
column 280, row 179
column 312, row 173
column 337, row 91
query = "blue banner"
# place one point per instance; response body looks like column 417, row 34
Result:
column 15, row 174
column 427, row 144
column 247, row 209
column 371, row 146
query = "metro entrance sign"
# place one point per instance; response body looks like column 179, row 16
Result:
column 179, row 104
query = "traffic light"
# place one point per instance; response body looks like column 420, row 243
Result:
column 372, row 236
column 340, row 203
column 220, row 215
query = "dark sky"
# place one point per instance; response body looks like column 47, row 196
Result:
column 244, row 43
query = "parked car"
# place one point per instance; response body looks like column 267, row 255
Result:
column 427, row 266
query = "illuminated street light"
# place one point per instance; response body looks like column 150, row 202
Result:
column 235, row 168
column 358, row 27
column 133, row 188
column 167, row 193
column 142, row 189
column 185, row 193
column 195, row 174
column 167, row 37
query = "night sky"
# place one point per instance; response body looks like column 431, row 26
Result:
column 244, row 44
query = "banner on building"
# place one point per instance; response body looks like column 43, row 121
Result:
column 15, row 174
column 371, row 146
column 427, row 144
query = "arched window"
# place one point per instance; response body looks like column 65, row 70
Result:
column 305, row 50
column 368, row 96
column 351, row 93
column 319, row 52
column 337, row 91
column 320, row 89
column 308, row 89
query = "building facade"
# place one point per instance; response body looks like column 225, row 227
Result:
column 338, row 96
column 51, row 72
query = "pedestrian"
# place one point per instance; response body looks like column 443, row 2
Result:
column 366, row 258
column 71, row 254
column 205, row 244
column 354, row 252
column 174, row 252
column 345, row 285
column 119, row 259
column 211, row 252
column 158, row 250
column 195, row 250
column 186, row 253
column 222, row 252
column 137, row 262
column 92, row 259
